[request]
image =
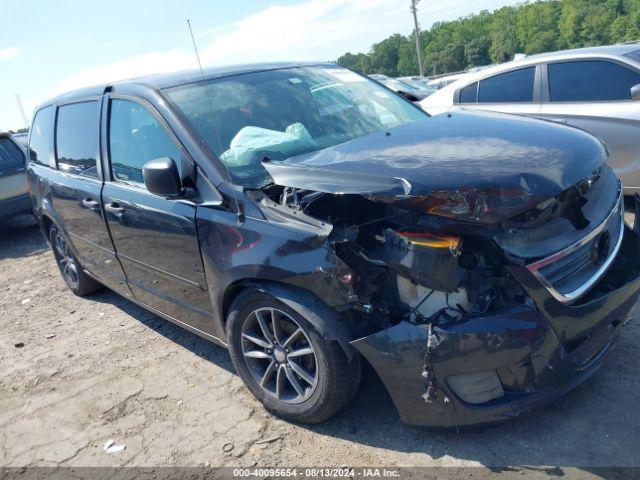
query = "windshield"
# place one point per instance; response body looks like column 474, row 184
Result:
column 281, row 113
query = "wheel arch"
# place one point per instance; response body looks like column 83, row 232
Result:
column 45, row 222
column 324, row 319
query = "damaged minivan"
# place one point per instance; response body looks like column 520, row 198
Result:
column 311, row 220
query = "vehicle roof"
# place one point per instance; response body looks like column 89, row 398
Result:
column 183, row 77
column 470, row 77
column 604, row 51
column 441, row 78
column 620, row 49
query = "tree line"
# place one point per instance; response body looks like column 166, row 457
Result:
column 494, row 37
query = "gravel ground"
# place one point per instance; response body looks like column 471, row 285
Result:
column 79, row 372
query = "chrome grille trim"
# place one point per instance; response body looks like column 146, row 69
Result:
column 535, row 267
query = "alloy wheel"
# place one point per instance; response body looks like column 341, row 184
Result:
column 66, row 261
column 279, row 355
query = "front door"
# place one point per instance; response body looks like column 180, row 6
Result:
column 155, row 238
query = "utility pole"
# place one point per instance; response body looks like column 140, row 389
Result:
column 416, row 32
column 24, row 118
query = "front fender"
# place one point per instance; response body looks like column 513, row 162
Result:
column 282, row 256
column 324, row 319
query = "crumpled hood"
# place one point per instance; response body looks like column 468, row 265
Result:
column 464, row 149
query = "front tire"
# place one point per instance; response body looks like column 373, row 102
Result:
column 74, row 276
column 285, row 362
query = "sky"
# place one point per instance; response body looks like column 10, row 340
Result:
column 47, row 47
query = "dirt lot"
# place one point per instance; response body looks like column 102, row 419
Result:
column 102, row 368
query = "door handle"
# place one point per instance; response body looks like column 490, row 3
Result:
column 90, row 203
column 115, row 208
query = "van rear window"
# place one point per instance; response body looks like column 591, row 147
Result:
column 77, row 138
column 41, row 137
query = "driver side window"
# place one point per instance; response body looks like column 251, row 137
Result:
column 136, row 137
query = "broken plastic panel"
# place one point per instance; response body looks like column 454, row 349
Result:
column 427, row 259
column 475, row 388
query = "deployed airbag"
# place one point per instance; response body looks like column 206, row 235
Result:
column 251, row 144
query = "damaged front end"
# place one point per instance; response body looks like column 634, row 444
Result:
column 473, row 305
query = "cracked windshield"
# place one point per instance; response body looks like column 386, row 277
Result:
column 275, row 115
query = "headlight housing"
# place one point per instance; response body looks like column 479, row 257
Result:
column 480, row 205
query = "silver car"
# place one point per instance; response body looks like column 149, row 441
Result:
column 420, row 83
column 409, row 92
column 596, row 89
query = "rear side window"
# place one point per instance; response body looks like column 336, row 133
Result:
column 510, row 87
column 469, row 94
column 136, row 137
column 77, row 138
column 10, row 154
column 590, row 81
column 40, row 144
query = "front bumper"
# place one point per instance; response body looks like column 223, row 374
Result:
column 539, row 353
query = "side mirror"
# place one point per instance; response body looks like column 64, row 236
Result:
column 161, row 177
column 635, row 93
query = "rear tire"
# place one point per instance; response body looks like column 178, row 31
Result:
column 72, row 272
column 305, row 379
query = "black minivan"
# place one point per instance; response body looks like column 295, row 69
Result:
column 310, row 220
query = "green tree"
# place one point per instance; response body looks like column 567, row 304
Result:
column 407, row 60
column 359, row 62
column 385, row 55
column 490, row 37
column 476, row 52
column 572, row 13
column 537, row 26
column 596, row 25
column 452, row 59
column 504, row 41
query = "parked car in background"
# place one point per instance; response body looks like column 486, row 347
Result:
column 407, row 91
column 596, row 89
column 14, row 198
column 441, row 81
column 420, row 83
column 22, row 138
column 305, row 217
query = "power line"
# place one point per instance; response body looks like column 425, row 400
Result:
column 416, row 32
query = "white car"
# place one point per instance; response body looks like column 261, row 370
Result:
column 596, row 89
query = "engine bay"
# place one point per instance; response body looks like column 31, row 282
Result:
column 405, row 265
